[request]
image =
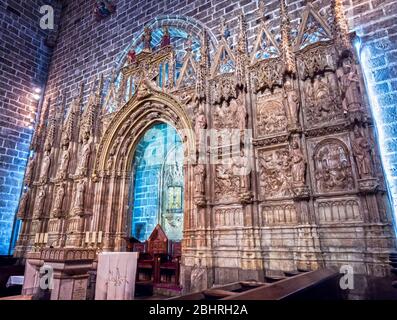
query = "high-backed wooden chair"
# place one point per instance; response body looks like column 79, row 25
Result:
column 151, row 254
column 171, row 266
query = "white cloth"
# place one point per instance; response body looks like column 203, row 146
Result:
column 116, row 276
column 15, row 281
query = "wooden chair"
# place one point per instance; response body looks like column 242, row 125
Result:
column 171, row 266
column 151, row 254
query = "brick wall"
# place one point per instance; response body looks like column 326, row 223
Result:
column 24, row 62
column 86, row 47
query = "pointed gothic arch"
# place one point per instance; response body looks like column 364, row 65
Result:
column 114, row 160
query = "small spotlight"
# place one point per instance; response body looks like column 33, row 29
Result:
column 37, row 90
column 36, row 97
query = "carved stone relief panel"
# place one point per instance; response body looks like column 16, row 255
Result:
column 271, row 118
column 322, row 103
column 275, row 214
column 227, row 183
column 332, row 165
column 228, row 217
column 275, row 177
column 338, row 210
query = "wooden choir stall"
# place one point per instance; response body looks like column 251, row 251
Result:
column 158, row 264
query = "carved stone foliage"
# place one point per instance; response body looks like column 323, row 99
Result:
column 228, row 217
column 275, row 177
column 322, row 100
column 223, row 88
column 338, row 210
column 316, row 59
column 332, row 165
column 279, row 214
column 271, row 117
column 267, row 74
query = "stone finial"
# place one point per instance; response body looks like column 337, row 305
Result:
column 286, row 49
column 340, row 27
column 224, row 29
column 242, row 37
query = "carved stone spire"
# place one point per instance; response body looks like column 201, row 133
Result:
column 88, row 118
column 242, row 49
column 50, row 135
column 242, row 36
column 40, row 128
column 261, row 11
column 204, row 50
column 203, row 67
column 340, row 28
column 224, row 29
column 285, row 47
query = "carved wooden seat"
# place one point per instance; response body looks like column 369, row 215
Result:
column 150, row 255
column 171, row 264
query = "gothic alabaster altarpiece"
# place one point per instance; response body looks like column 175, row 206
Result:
column 304, row 187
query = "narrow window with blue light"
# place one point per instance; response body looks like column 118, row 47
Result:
column 158, row 183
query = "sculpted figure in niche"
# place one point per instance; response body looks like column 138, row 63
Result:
column 63, row 168
column 84, row 156
column 45, row 168
column 39, row 206
column 23, row 204
column 60, row 194
column 166, row 40
column 298, row 162
column 79, row 199
column 362, row 154
column 292, row 98
column 241, row 113
column 146, row 39
column 109, row 164
column 350, row 86
column 242, row 168
column 29, row 170
column 199, row 175
column 200, row 126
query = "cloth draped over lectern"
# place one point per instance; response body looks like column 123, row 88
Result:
column 116, row 276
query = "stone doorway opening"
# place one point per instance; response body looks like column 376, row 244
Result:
column 157, row 191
